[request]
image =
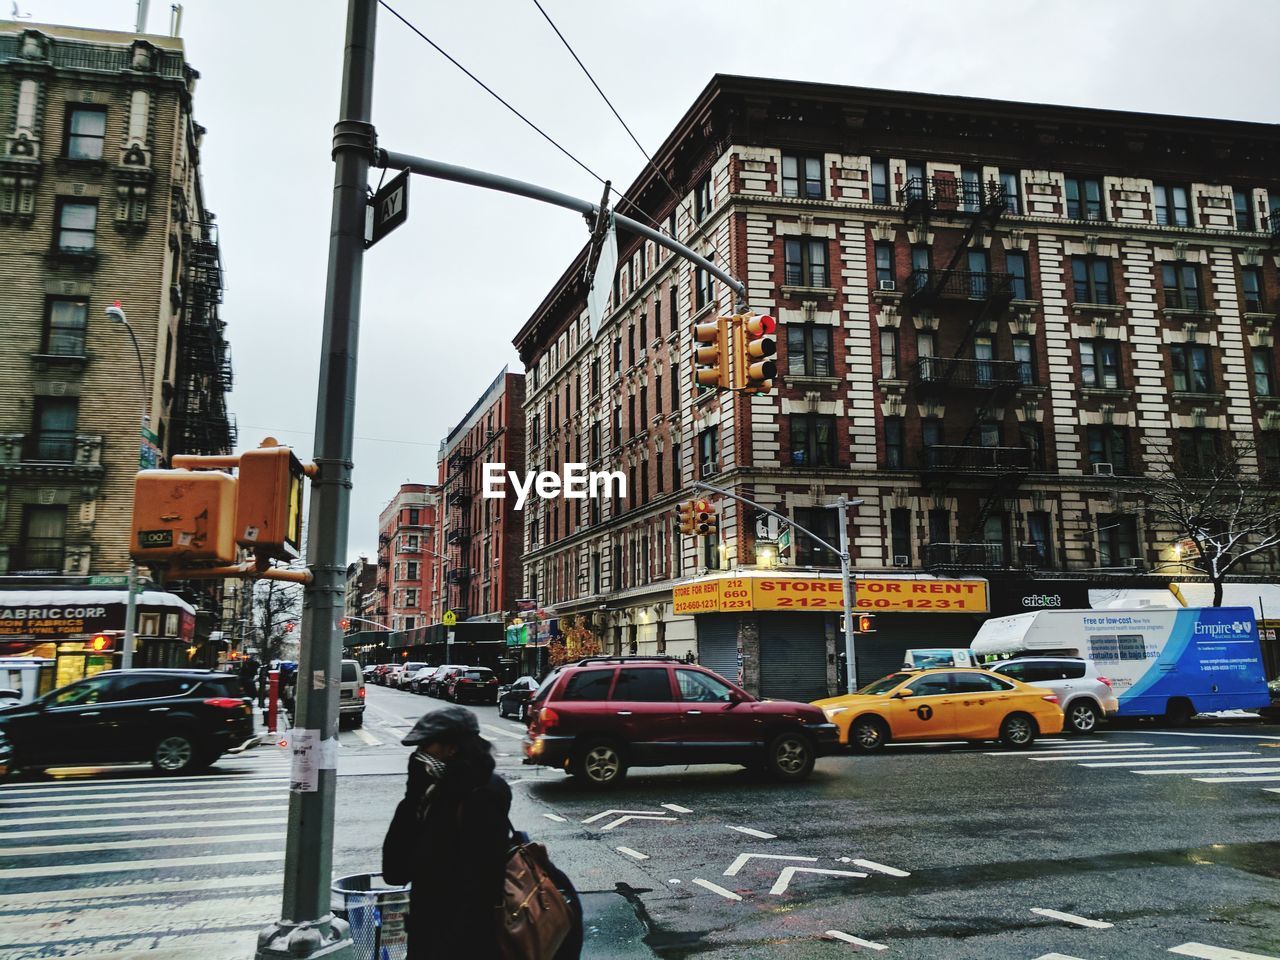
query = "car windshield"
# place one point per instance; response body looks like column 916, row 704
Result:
column 885, row 684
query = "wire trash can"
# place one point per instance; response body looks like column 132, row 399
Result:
column 378, row 914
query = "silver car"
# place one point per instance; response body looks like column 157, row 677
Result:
column 1084, row 694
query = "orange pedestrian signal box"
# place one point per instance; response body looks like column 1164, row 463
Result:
column 183, row 515
column 269, row 503
column 100, row 643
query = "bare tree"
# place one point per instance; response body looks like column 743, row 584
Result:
column 1224, row 505
column 277, row 612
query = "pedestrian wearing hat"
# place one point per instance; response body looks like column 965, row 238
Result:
column 449, row 839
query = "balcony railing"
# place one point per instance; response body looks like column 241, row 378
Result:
column 929, row 285
column 458, row 493
column 1184, row 300
column 457, row 535
column 962, row 372
column 983, row 556
column 978, row 459
column 951, row 195
column 461, row 575
column 48, row 449
column 33, row 556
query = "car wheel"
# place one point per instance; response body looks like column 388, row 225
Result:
column 600, row 765
column 868, row 734
column 175, row 753
column 1018, row 731
column 1082, row 717
column 502, row 710
column 789, row 757
column 522, row 714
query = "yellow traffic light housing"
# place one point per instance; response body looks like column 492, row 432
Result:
column 711, row 361
column 183, row 515
column 704, row 518
column 754, row 344
column 685, row 513
column 269, row 502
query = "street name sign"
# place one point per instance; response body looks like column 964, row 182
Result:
column 389, row 208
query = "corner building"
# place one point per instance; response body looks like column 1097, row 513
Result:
column 993, row 317
column 406, row 565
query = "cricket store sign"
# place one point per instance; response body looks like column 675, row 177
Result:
column 58, row 620
column 821, row 594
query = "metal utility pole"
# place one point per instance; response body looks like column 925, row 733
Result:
column 307, row 928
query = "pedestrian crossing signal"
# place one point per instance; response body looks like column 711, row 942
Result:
column 866, row 623
column 100, row 643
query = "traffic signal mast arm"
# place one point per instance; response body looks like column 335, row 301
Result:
column 699, row 485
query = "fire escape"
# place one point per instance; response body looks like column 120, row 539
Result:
column 969, row 454
column 200, row 423
column 457, row 499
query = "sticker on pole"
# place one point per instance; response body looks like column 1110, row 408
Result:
column 305, row 775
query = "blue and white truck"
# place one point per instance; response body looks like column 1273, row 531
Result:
column 1170, row 662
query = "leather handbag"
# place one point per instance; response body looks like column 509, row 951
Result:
column 534, row 917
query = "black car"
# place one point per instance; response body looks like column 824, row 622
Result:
column 513, row 699
column 179, row 720
column 471, row 685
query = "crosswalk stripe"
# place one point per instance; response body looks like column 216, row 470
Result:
column 26, row 790
column 1152, row 773
column 134, row 844
column 115, row 805
column 1173, row 761
column 1067, row 751
column 231, row 945
column 1096, row 744
column 136, row 828
column 1270, row 790
column 64, row 929
column 145, row 815
column 367, row 737
column 126, row 866
column 1205, row 951
column 1117, row 755
column 23, row 902
column 138, row 797
column 1233, row 779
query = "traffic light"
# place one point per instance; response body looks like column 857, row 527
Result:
column 685, row 513
column 344, row 623
column 100, row 643
column 754, row 343
column 269, row 502
column 866, row 623
column 704, row 518
column 711, row 362
column 183, row 515
column 288, row 627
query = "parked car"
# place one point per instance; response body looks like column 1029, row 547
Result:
column 1272, row 712
column 380, row 674
column 179, row 720
column 351, row 695
column 603, row 715
column 415, row 682
column 369, row 672
column 472, row 685
column 392, row 676
column 943, row 704
column 437, row 681
column 513, row 699
column 1084, row 694
column 407, row 670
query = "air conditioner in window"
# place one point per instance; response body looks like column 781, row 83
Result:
column 1138, row 563
column 886, row 285
column 900, row 561
column 709, row 470
column 1103, row 470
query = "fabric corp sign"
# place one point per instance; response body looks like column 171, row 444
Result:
column 731, row 594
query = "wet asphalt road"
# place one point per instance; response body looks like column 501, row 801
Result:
column 1152, row 861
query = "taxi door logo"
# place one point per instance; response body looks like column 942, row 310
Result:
column 924, row 712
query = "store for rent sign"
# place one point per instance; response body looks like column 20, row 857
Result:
column 821, row 594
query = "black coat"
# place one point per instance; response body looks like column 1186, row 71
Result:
column 455, row 857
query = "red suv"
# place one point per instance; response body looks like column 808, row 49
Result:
column 602, row 715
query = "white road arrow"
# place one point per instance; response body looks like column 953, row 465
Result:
column 784, row 878
column 742, row 859
column 614, row 813
column 621, row 820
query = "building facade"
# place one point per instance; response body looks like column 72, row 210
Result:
column 100, row 203
column 480, row 538
column 406, row 564
column 361, row 598
column 993, row 317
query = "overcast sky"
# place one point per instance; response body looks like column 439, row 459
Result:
column 444, row 295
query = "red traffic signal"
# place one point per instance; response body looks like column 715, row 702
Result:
column 755, row 342
column 100, row 643
column 344, row 623
column 288, row 627
column 704, row 518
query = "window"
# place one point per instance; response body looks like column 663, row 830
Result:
column 64, row 329
column 1031, row 436
column 53, row 429
column 631, row 346
column 93, row 690
column 926, row 350
column 651, row 685
column 802, row 177
column 970, row 189
column 657, row 316
column 1198, row 451
column 1251, row 289
column 43, row 530
column 1084, row 198
column 1038, row 538
column 86, row 131
column 411, row 598
column 879, row 181
column 1012, row 195
column 675, row 387
column 884, row 266
column 709, row 449
column 1269, row 454
column 1172, row 205
column 700, row 687
column 1192, row 372
column 1108, row 444
column 617, row 354
column 1016, row 266
column 1117, row 540
column 1241, row 204
column 914, row 187
column 1181, row 286
column 644, row 408
column 1024, row 355
column 821, row 521
column 976, row 683
column 1100, row 363
column 702, row 199
column 900, row 534
column 77, row 225
column 595, row 441
column 920, row 261
column 808, row 350
column 930, row 431
column 984, row 351
column 813, row 440
column 710, row 553
column 989, row 433
column 660, row 474
column 939, row 526
column 894, row 441
column 588, row 685
column 1091, row 278
column 631, row 415
column 703, row 288
column 1263, row 376
column 411, row 573
column 414, row 517
column 930, row 685
column 806, row 263
column 889, row 354
column 617, row 426
column 675, row 466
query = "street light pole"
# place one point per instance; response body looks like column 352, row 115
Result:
column 116, row 313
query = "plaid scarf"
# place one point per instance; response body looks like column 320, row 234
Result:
column 425, row 774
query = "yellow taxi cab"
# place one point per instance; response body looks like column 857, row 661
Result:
column 943, row 704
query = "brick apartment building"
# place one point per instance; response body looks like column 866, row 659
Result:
column 481, row 539
column 361, row 597
column 406, row 569
column 991, row 316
